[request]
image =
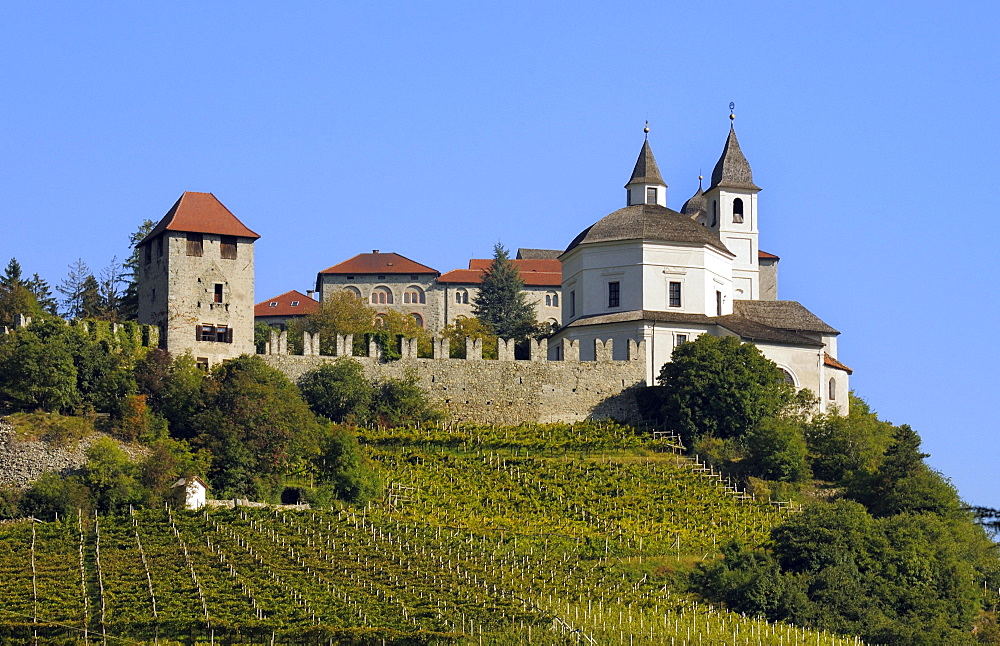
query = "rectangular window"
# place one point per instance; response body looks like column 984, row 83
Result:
column 195, row 245
column 614, row 294
column 572, row 303
column 227, row 246
column 159, row 246
column 650, row 195
column 718, row 303
column 202, row 363
column 217, row 297
column 674, row 294
column 214, row 333
column 680, row 339
column 147, row 254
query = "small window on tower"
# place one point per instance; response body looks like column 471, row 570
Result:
column 718, row 303
column 159, row 247
column 614, row 294
column 572, row 303
column 217, row 297
column 650, row 195
column 147, row 254
column 228, row 247
column 195, row 245
column 738, row 211
column 674, row 294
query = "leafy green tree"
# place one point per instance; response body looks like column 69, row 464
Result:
column 55, row 495
column 776, row 450
column 15, row 300
column 111, row 477
column 402, row 401
column 841, row 446
column 129, row 306
column 338, row 391
column 168, row 461
column 471, row 328
column 343, row 465
column 903, row 482
column 256, row 426
column 37, row 370
column 721, row 387
column 501, row 303
column 339, row 313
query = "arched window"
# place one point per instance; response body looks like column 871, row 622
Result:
column 738, row 211
column 552, row 300
column 555, row 300
column 381, row 296
column 465, row 297
column 419, row 320
column 789, row 379
column 414, row 295
column 715, row 213
column 462, row 296
column 353, row 291
column 833, row 388
column 548, row 300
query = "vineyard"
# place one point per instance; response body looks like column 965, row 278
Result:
column 541, row 535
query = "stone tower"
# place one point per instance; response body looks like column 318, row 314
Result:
column 196, row 280
column 731, row 210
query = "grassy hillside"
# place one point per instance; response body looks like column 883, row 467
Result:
column 497, row 536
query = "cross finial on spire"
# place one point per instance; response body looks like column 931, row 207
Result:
column 699, row 179
column 646, row 129
column 732, row 115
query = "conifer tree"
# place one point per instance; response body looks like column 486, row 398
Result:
column 43, row 294
column 501, row 302
column 74, row 287
column 129, row 306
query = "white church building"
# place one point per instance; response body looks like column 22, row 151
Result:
column 649, row 273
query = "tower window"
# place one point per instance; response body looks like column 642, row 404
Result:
column 629, row 200
column 159, row 246
column 650, row 195
column 738, row 211
column 715, row 213
column 217, row 297
column 833, row 388
column 195, row 245
column 572, row 303
column 555, row 300
column 614, row 294
column 718, row 303
column 214, row 333
column 147, row 254
column 228, row 247
column 674, row 294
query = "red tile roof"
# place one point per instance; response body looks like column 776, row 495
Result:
column 833, row 363
column 200, row 213
column 534, row 273
column 379, row 263
column 283, row 305
column 764, row 254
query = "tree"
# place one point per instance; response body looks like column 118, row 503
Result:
column 37, row 369
column 12, row 275
column 903, row 482
column 776, row 450
column 402, row 401
column 343, row 465
column 129, row 307
column 109, row 291
column 15, row 296
column 841, row 446
column 720, row 386
column 470, row 328
column 340, row 313
column 256, row 426
column 111, row 477
column 43, row 294
column 338, row 391
column 79, row 290
column 501, row 303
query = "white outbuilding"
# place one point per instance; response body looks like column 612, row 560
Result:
column 190, row 492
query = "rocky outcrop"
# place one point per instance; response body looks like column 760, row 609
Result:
column 24, row 461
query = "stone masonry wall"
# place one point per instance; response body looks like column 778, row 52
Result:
column 505, row 391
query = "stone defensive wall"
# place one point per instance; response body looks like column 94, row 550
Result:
column 503, row 391
column 117, row 335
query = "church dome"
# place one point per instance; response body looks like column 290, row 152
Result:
column 696, row 204
column 647, row 222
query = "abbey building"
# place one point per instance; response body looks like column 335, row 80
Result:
column 645, row 277
column 648, row 273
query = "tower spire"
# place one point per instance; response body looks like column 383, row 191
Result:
column 646, row 186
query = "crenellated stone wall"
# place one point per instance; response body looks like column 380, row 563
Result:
column 501, row 391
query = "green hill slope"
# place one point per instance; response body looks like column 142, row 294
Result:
column 494, row 536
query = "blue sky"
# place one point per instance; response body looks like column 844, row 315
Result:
column 436, row 129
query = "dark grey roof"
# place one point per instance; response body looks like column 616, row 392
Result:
column 732, row 170
column 646, row 170
column 696, row 204
column 640, row 315
column 787, row 315
column 749, row 330
column 648, row 222
column 746, row 329
column 538, row 254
